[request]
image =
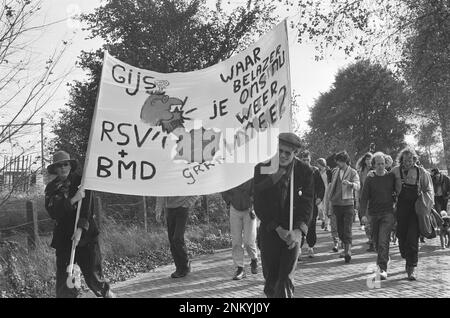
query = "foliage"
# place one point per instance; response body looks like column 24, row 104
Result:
column 362, row 107
column 427, row 66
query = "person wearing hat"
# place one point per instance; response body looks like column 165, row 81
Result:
column 319, row 191
column 444, row 231
column 441, row 185
column 61, row 198
column 344, row 184
column 280, row 246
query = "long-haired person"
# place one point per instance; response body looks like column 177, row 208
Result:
column 344, row 184
column 409, row 179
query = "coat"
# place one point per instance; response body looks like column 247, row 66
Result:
column 57, row 204
column 348, row 192
column 240, row 197
column 319, row 186
column 445, row 185
column 267, row 199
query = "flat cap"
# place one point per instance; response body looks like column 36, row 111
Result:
column 290, row 139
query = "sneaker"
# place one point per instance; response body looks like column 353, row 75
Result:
column 311, row 252
column 240, row 273
column 182, row 273
column 410, row 270
column 347, row 258
column 383, row 275
column 254, row 266
column 326, row 229
column 371, row 248
column 109, row 294
column 323, row 225
column 342, row 255
column 422, row 240
column 178, row 274
column 335, row 248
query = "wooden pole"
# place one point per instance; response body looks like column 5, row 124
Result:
column 22, row 174
column 291, row 201
column 144, row 204
column 32, row 229
column 42, row 145
column 99, row 211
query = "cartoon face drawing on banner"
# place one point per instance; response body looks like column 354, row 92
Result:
column 163, row 110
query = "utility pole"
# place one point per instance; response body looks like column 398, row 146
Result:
column 42, row 145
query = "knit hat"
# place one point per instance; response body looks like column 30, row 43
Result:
column 59, row 157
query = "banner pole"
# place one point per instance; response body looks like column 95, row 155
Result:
column 291, row 197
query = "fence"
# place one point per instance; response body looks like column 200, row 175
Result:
column 29, row 219
column 16, row 174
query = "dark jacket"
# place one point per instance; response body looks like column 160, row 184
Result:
column 57, row 203
column 240, row 197
column 319, row 187
column 267, row 198
column 444, row 181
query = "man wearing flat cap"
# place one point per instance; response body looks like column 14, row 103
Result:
column 279, row 246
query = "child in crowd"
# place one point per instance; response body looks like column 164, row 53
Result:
column 444, row 230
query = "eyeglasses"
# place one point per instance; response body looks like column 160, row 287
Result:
column 63, row 164
column 287, row 153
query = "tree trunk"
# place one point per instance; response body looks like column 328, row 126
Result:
column 444, row 118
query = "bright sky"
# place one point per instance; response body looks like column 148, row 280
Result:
column 309, row 78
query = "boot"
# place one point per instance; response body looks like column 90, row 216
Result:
column 410, row 270
column 240, row 274
column 254, row 266
column 347, row 253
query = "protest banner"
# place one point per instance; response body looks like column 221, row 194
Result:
column 192, row 133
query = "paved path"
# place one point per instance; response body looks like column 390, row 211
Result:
column 325, row 275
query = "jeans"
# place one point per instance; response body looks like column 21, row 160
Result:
column 368, row 229
column 381, row 229
column 344, row 220
column 176, row 226
column 243, row 230
column 88, row 258
column 333, row 228
column 278, row 264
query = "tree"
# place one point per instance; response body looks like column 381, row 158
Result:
column 427, row 66
column 163, row 36
column 409, row 36
column 363, row 107
column 27, row 82
column 427, row 138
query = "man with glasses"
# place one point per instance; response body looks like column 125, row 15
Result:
column 280, row 245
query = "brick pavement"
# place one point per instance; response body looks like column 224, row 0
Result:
column 325, row 275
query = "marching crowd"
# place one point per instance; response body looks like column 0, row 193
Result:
column 383, row 195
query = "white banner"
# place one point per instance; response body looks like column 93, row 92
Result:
column 190, row 133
